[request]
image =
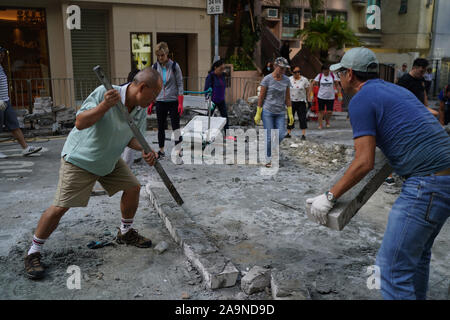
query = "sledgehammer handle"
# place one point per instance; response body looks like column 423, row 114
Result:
column 138, row 135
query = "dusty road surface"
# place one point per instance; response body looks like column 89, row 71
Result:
column 254, row 219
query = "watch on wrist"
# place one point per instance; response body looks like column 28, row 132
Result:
column 330, row 197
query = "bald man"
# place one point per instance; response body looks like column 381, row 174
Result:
column 92, row 153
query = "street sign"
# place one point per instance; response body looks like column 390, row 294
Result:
column 214, row 6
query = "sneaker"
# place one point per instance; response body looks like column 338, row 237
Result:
column 303, row 138
column 269, row 164
column 328, row 125
column 3, row 156
column 320, row 128
column 287, row 136
column 161, row 155
column 30, row 150
column 132, row 237
column 33, row 266
column 389, row 181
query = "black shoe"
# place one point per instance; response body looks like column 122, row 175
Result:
column 303, row 137
column 161, row 155
column 287, row 136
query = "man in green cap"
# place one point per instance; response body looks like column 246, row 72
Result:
column 418, row 149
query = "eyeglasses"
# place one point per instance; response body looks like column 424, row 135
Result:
column 296, row 72
column 341, row 72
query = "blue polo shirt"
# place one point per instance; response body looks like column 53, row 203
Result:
column 98, row 148
column 410, row 137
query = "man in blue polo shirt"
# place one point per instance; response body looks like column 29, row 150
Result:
column 417, row 147
column 92, row 153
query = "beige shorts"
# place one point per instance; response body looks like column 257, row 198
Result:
column 75, row 184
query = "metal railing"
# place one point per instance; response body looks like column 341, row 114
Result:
column 71, row 92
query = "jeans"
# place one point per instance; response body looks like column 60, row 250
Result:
column 273, row 121
column 415, row 220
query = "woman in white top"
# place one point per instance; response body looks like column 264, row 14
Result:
column 299, row 93
column 328, row 86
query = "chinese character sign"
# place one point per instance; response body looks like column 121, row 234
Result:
column 214, row 6
column 373, row 15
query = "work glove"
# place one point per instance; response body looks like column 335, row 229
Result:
column 150, row 108
column 3, row 105
column 320, row 207
column 180, row 104
column 258, row 115
column 290, row 116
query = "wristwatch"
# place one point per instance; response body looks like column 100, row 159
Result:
column 330, row 197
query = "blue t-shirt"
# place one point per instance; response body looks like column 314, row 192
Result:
column 410, row 137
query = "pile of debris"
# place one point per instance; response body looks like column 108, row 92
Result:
column 46, row 115
column 319, row 157
column 242, row 113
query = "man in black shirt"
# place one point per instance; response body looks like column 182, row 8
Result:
column 415, row 82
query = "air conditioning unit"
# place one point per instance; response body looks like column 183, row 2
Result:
column 271, row 13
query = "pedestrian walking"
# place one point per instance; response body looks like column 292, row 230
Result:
column 299, row 92
column 8, row 116
column 414, row 81
column 428, row 80
column 274, row 99
column 401, row 72
column 384, row 115
column 328, row 89
column 216, row 81
column 170, row 99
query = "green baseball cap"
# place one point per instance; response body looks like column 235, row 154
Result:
column 358, row 59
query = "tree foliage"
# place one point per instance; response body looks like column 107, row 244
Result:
column 320, row 35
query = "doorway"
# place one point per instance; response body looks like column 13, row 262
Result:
column 178, row 50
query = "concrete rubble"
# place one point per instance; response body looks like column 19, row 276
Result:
column 256, row 280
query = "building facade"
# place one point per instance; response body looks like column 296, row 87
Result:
column 44, row 42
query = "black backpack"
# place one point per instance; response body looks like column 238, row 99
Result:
column 174, row 67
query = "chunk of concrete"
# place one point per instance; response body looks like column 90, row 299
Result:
column 216, row 270
column 349, row 203
column 256, row 280
column 161, row 247
column 288, row 285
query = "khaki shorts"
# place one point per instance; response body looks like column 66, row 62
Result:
column 75, row 184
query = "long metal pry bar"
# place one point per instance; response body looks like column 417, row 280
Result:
column 138, row 135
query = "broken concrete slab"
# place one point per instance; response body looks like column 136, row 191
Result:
column 288, row 285
column 161, row 247
column 256, row 280
column 197, row 129
column 216, row 270
column 349, row 204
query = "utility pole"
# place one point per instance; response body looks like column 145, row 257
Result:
column 215, row 7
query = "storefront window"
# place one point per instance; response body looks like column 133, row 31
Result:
column 141, row 50
column 24, row 35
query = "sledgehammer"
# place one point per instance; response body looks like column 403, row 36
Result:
column 138, row 135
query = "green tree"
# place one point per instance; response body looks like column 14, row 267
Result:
column 320, row 35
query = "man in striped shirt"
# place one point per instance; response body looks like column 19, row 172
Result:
column 8, row 116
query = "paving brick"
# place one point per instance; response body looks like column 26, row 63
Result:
column 256, row 280
column 349, row 204
column 288, row 285
column 216, row 270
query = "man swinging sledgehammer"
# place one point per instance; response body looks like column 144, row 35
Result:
column 92, row 153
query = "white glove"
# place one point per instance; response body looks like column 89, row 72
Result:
column 3, row 105
column 320, row 206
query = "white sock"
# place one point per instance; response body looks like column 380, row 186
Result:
column 36, row 245
column 125, row 225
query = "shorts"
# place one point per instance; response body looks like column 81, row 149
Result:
column 75, row 184
column 8, row 117
column 325, row 103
